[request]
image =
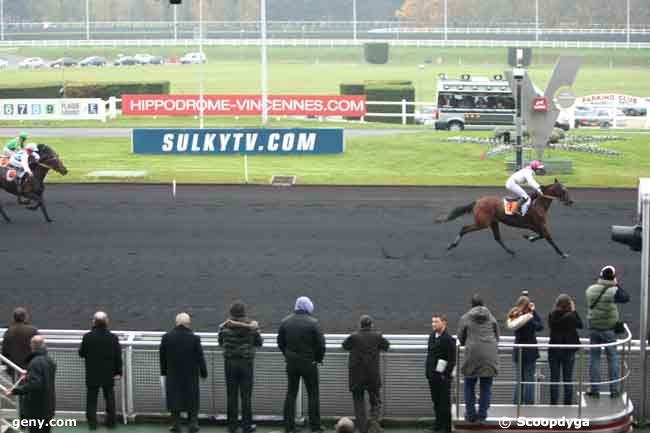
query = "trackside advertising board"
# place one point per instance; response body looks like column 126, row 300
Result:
column 281, row 141
column 243, row 105
column 53, row 109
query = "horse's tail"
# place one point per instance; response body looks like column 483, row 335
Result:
column 456, row 212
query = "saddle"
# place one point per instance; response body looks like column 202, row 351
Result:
column 4, row 161
column 9, row 174
column 511, row 205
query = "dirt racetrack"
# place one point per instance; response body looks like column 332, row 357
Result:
column 141, row 256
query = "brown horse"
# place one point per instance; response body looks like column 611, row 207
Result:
column 489, row 212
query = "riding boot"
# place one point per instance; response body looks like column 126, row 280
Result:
column 520, row 209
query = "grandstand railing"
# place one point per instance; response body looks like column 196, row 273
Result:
column 405, row 392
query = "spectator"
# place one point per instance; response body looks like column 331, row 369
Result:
column 479, row 333
column 344, row 425
column 181, row 364
column 564, row 323
column 238, row 336
column 302, row 343
column 441, row 361
column 16, row 341
column 103, row 355
column 526, row 322
column 39, row 401
column 603, row 318
column 364, row 372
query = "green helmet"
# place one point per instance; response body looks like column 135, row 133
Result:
column 23, row 135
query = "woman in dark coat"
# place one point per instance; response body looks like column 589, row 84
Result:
column 181, row 364
column 526, row 322
column 564, row 323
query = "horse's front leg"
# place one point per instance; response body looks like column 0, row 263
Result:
column 547, row 235
column 4, row 214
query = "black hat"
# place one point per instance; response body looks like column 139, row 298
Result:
column 238, row 309
column 608, row 273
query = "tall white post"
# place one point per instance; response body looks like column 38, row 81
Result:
column 175, row 22
column 354, row 19
column 445, row 20
column 265, row 112
column 2, row 20
column 643, row 331
column 87, row 20
column 628, row 23
column 201, row 68
column 536, row 20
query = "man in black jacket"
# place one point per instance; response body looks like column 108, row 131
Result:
column 181, row 364
column 102, row 353
column 441, row 360
column 364, row 372
column 238, row 336
column 16, row 340
column 302, row 343
column 39, row 401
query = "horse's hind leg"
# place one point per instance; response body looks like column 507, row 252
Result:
column 497, row 237
column 463, row 231
column 533, row 238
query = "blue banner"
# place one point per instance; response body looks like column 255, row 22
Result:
column 284, row 141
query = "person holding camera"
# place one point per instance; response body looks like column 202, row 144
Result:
column 563, row 323
column 604, row 323
column 526, row 323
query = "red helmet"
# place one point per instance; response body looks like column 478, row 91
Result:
column 536, row 165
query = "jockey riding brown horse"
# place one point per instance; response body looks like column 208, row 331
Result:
column 489, row 211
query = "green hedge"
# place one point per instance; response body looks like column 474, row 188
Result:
column 386, row 93
column 82, row 90
column 23, row 92
column 376, row 52
column 352, row 89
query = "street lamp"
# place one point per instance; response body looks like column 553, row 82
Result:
column 354, row 20
column 87, row 20
column 2, row 20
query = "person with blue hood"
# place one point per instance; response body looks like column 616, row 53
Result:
column 302, row 343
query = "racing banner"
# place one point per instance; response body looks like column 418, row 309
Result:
column 280, row 141
column 243, row 105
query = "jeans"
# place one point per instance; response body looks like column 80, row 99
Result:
column 360, row 416
column 561, row 363
column 91, row 404
column 484, row 398
column 440, row 387
column 239, row 382
column 526, row 374
column 600, row 337
column 309, row 374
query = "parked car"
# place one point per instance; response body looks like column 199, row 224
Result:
column 93, row 61
column 3, row 64
column 32, row 63
column 598, row 117
column 193, row 58
column 125, row 61
column 63, row 62
column 425, row 115
column 148, row 59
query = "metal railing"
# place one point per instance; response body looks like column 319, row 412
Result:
column 405, row 392
column 624, row 346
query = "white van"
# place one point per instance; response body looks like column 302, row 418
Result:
column 193, row 59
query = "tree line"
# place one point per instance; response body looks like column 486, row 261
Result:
column 552, row 13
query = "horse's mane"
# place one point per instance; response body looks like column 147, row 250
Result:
column 46, row 151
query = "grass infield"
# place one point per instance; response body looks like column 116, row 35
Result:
column 423, row 158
